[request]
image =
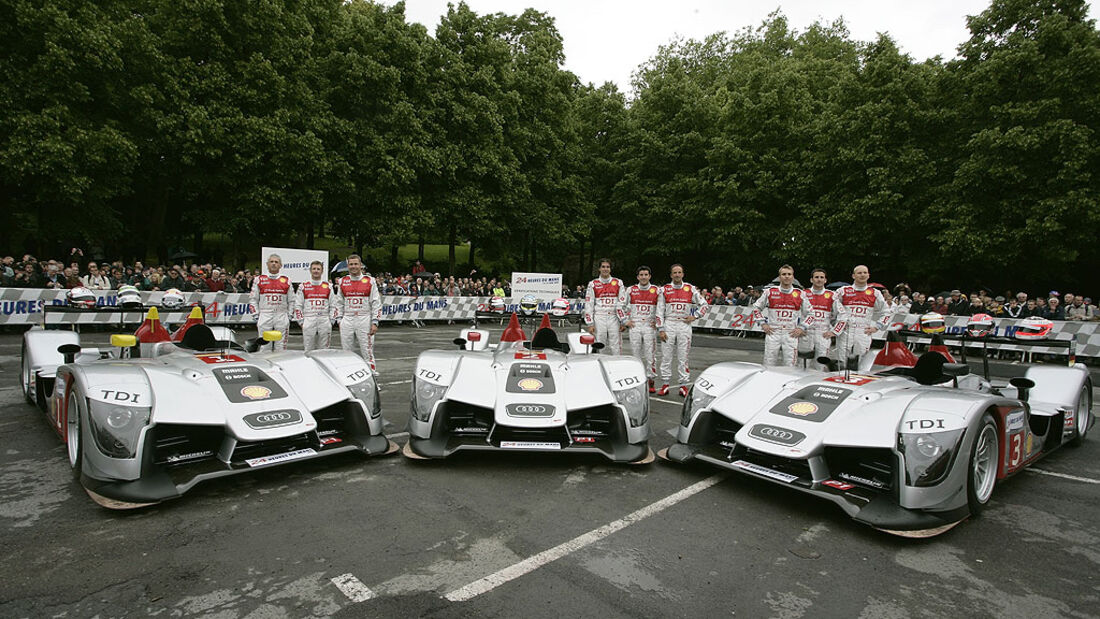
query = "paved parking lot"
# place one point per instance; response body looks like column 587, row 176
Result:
column 522, row 534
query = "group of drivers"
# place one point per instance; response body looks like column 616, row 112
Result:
column 354, row 300
column 792, row 319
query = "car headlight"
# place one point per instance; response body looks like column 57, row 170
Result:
column 367, row 393
column 425, row 395
column 636, row 402
column 695, row 402
column 928, row 456
column 116, row 429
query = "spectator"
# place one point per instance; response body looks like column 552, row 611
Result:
column 996, row 308
column 717, row 296
column 1040, row 307
column 95, row 280
column 1031, row 309
column 940, row 306
column 215, row 283
column 173, row 280
column 1054, row 310
column 1017, row 307
column 419, row 268
column 920, row 304
column 28, row 277
column 7, row 273
column 72, row 279
column 901, row 305
column 55, row 278
column 958, row 306
column 1090, row 310
column 976, row 306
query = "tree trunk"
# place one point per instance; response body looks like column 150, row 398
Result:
column 420, row 248
column 393, row 259
column 580, row 265
column 309, row 234
column 473, row 251
column 534, row 255
column 452, row 238
column 526, row 248
column 198, row 243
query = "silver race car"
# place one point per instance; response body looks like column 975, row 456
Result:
column 912, row 446
column 539, row 395
column 145, row 422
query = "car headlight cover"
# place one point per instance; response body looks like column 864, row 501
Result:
column 695, row 402
column 367, row 393
column 425, row 395
column 636, row 402
column 116, row 429
column 928, row 455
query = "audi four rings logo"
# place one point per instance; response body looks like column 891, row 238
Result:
column 272, row 419
column 773, row 434
column 529, row 410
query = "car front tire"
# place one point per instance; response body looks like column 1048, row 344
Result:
column 982, row 470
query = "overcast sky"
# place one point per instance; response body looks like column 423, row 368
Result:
column 606, row 40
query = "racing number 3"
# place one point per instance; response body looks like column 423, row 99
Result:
column 1015, row 449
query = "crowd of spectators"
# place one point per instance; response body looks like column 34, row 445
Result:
column 196, row 277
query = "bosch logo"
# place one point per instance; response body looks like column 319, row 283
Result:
column 772, row 434
column 272, row 419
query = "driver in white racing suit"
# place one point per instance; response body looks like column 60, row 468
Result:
column 821, row 309
column 678, row 305
column 641, row 319
column 313, row 308
column 783, row 310
column 604, row 308
column 270, row 301
column 359, row 308
column 860, row 311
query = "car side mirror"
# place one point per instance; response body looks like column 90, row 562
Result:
column 70, row 351
column 460, row 342
column 1023, row 386
column 598, row 346
column 588, row 340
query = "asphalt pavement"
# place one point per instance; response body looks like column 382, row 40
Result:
column 532, row 535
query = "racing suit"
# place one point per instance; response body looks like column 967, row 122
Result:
column 313, row 310
column 821, row 309
column 856, row 309
column 270, row 298
column 358, row 306
column 674, row 304
column 603, row 306
column 642, row 310
column 783, row 311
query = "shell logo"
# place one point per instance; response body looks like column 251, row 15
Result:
column 868, row 292
column 802, row 408
column 795, row 294
column 530, row 384
column 255, row 392
column 324, row 284
column 282, row 279
column 828, row 295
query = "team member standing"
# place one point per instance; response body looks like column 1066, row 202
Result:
column 860, row 311
column 641, row 319
column 270, row 299
column 821, row 311
column 359, row 308
column 603, row 308
column 678, row 305
column 313, row 308
column 782, row 309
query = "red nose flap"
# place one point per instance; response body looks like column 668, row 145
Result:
column 545, row 324
column 195, row 318
column 514, row 333
column 895, row 354
column 151, row 330
column 938, row 346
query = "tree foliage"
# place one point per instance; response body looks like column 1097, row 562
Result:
column 138, row 127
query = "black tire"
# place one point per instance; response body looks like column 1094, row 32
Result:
column 1083, row 417
column 31, row 396
column 981, row 473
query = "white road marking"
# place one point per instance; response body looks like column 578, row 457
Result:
column 1064, row 476
column 397, row 382
column 531, row 564
column 667, row 401
column 350, row 586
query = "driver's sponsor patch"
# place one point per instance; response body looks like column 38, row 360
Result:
column 765, row 471
column 529, row 445
column 278, row 458
column 813, row 403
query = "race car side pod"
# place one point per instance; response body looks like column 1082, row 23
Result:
column 150, row 332
column 514, row 332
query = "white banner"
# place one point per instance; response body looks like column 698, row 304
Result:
column 545, row 286
column 295, row 261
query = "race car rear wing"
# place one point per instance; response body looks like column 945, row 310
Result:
column 65, row 316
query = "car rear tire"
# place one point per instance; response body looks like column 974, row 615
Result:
column 25, row 378
column 74, row 425
column 1082, row 415
column 982, row 470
